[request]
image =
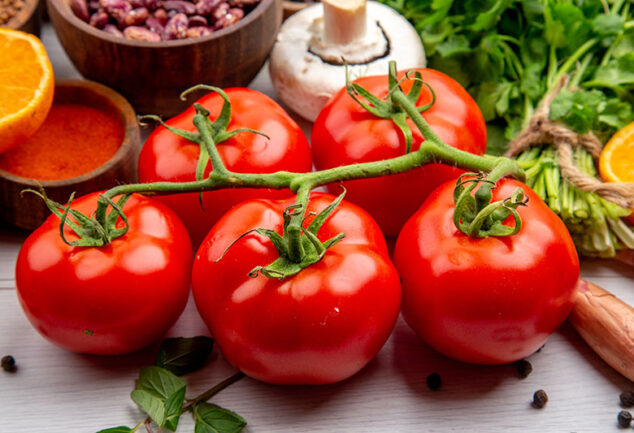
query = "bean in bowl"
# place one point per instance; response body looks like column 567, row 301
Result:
column 157, row 20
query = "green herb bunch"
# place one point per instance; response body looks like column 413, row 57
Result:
column 510, row 53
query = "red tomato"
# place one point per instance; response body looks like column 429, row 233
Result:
column 345, row 133
column 486, row 300
column 319, row 326
column 167, row 157
column 112, row 299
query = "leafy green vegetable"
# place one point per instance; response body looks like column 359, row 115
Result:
column 120, row 429
column 510, row 53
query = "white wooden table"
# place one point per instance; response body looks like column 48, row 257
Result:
column 57, row 391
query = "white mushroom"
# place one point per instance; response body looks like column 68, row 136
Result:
column 307, row 61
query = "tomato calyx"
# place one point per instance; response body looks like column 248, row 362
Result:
column 209, row 134
column 476, row 216
column 298, row 246
column 93, row 231
column 388, row 108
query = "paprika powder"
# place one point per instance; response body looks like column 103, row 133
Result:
column 74, row 140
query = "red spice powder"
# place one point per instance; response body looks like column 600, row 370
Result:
column 74, row 139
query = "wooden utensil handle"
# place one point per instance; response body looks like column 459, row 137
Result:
column 607, row 324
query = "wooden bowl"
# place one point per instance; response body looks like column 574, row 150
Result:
column 153, row 74
column 28, row 211
column 28, row 19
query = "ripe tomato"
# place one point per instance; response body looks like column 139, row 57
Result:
column 167, row 157
column 112, row 299
column 345, row 133
column 486, row 300
column 319, row 326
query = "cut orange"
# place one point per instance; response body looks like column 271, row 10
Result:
column 26, row 87
column 617, row 158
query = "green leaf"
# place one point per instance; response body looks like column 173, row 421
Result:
column 211, row 418
column 616, row 73
column 497, row 144
column 487, row 20
column 493, row 99
column 184, row 355
column 151, row 404
column 607, row 25
column 160, row 394
column 579, row 110
column 454, row 46
column 120, row 429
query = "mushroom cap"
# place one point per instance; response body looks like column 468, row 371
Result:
column 304, row 82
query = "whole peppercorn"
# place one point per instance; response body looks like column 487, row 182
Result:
column 624, row 419
column 524, row 368
column 627, row 398
column 8, row 363
column 434, row 381
column 540, row 398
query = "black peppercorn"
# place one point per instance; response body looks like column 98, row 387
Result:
column 540, row 398
column 624, row 419
column 524, row 368
column 627, row 398
column 8, row 363
column 434, row 381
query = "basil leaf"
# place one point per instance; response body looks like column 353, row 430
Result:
column 211, row 418
column 184, row 355
column 120, row 429
column 160, row 394
column 151, row 404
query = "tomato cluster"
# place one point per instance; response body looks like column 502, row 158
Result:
column 489, row 300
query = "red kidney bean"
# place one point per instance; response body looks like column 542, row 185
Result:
column 198, row 31
column 136, row 17
column 160, row 15
column 137, row 33
column 176, row 27
column 220, row 11
column 80, row 8
column 155, row 25
column 113, row 30
column 180, row 6
column 99, row 19
column 93, row 5
column 232, row 16
column 206, row 7
column 197, row 21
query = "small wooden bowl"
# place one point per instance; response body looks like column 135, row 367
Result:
column 28, row 211
column 153, row 74
column 28, row 19
column 290, row 7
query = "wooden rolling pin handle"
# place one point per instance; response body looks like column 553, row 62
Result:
column 607, row 324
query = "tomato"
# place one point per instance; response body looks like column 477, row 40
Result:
column 319, row 326
column 168, row 157
column 486, row 300
column 112, row 299
column 345, row 133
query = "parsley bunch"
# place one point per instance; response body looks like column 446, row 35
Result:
column 510, row 53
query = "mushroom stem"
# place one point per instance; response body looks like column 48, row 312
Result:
column 607, row 324
column 345, row 21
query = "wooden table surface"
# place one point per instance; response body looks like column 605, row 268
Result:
column 57, row 391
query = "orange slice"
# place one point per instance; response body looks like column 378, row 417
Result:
column 26, row 86
column 616, row 163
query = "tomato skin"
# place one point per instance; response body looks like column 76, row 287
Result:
column 107, row 300
column 167, row 157
column 319, row 326
column 488, row 300
column 345, row 133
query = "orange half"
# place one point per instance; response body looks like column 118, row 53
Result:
column 616, row 163
column 26, row 87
